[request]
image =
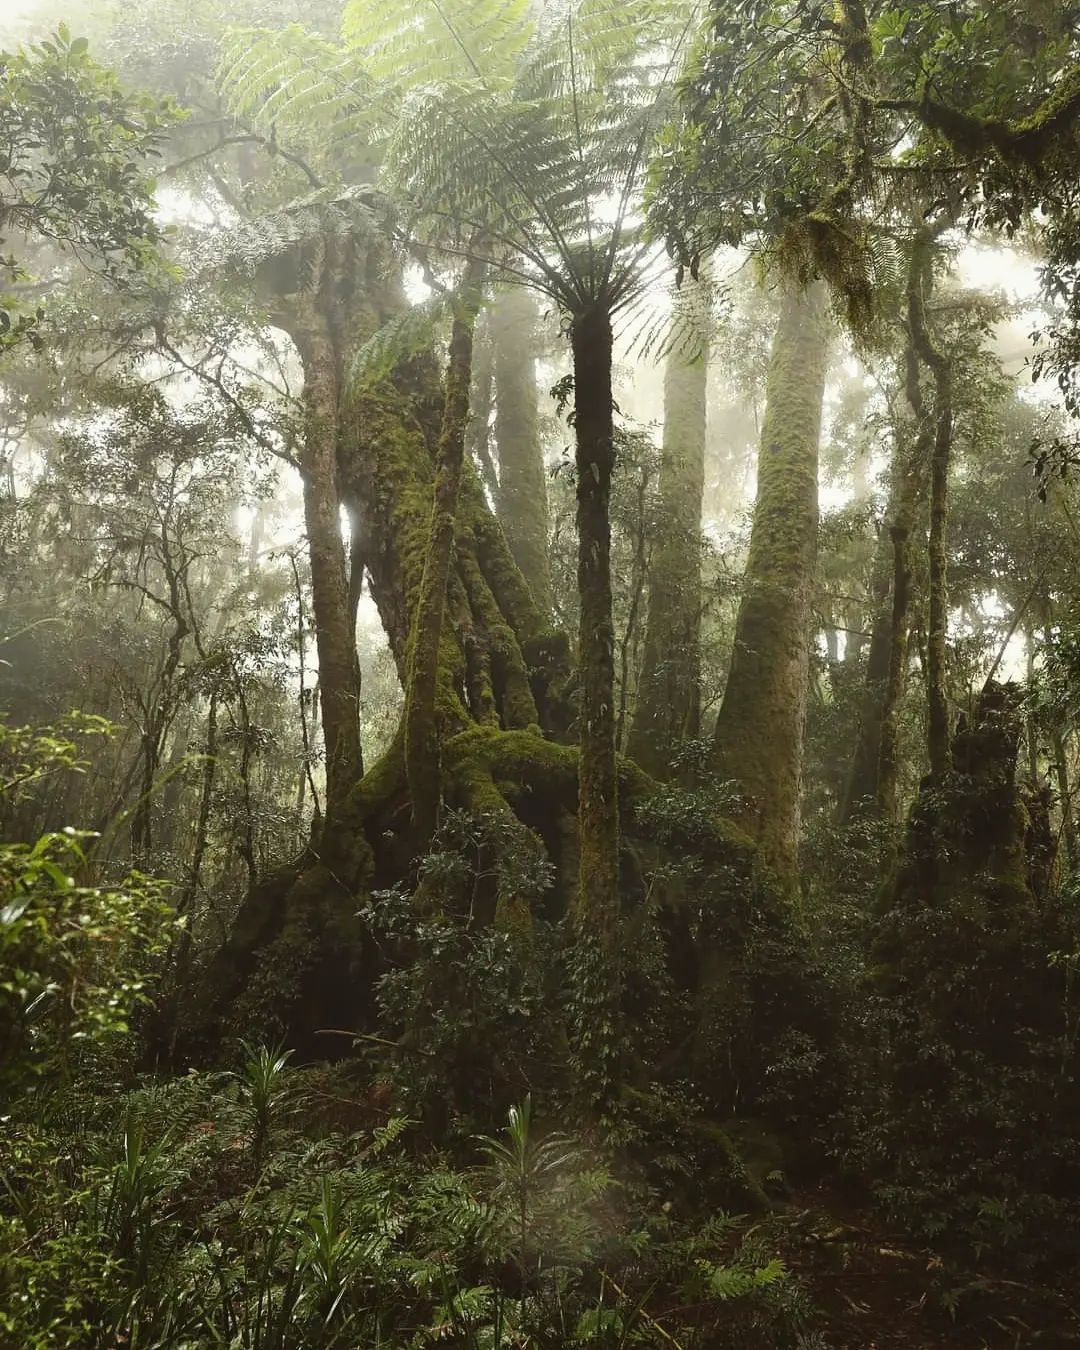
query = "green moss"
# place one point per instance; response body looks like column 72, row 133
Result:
column 759, row 730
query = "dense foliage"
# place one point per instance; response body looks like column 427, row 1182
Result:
column 539, row 664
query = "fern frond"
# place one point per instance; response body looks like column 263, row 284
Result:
column 685, row 325
column 318, row 93
column 244, row 247
column 404, row 336
column 411, row 43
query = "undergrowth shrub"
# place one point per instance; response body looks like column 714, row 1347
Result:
column 75, row 960
column 145, row 1222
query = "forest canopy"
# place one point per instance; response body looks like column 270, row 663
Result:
column 539, row 673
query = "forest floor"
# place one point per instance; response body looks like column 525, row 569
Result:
column 876, row 1290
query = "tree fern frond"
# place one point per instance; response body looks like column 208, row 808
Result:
column 244, row 247
column 411, row 43
column 402, row 337
column 295, row 80
column 680, row 319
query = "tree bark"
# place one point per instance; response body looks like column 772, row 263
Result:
column 521, row 502
column 481, row 403
column 937, row 709
column 668, row 708
column 876, row 763
column 422, row 727
column 339, row 671
column 1059, row 752
column 758, row 740
column 597, row 905
column 871, row 785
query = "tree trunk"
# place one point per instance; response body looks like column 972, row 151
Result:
column 597, row 905
column 339, row 671
column 668, row 709
column 521, row 502
column 872, row 778
column 1060, row 759
column 759, row 732
column 876, row 764
column 481, row 402
column 296, row 956
column 937, row 714
column 937, row 709
column 861, row 788
column 896, row 681
column 422, row 729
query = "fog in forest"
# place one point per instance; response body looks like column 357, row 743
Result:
column 539, row 674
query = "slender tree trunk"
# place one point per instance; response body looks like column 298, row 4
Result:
column 668, row 708
column 628, row 644
column 202, row 823
column 172, row 799
column 339, row 673
column 521, row 502
column 896, row 681
column 597, row 904
column 421, row 713
column 871, row 784
column 759, row 732
column 1061, row 773
column 1030, row 722
column 481, row 403
column 937, row 713
column 855, row 611
column 876, row 766
column 937, row 717
column 1060, row 756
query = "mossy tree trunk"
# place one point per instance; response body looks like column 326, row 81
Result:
column 873, row 782
column 758, row 740
column 1058, row 753
column 888, row 767
column 422, row 729
column 315, row 320
column 295, row 957
column 521, row 501
column 1061, row 772
column 481, row 404
column 668, row 708
column 597, row 905
column 339, row 672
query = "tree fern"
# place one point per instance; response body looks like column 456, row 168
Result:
column 242, row 248
column 322, row 93
column 533, row 132
column 423, row 42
